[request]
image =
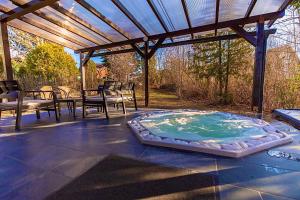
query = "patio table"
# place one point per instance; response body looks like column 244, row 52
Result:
column 73, row 101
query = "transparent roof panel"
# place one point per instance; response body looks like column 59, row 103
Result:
column 172, row 13
column 84, row 14
column 110, row 11
column 182, row 38
column 144, row 15
column 233, row 9
column 266, row 6
column 16, row 23
column 7, row 4
column 201, row 12
column 85, row 32
column 56, row 28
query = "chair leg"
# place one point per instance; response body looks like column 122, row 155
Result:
column 106, row 110
column 74, row 109
column 124, row 108
column 56, row 111
column 59, row 109
column 83, row 111
column 134, row 99
column 18, row 119
column 38, row 114
column 49, row 113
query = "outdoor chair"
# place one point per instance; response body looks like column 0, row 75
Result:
column 94, row 98
column 16, row 100
column 113, row 94
column 128, row 91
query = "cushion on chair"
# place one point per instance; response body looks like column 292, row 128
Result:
column 114, row 99
column 27, row 104
column 110, row 99
column 126, row 92
column 94, row 99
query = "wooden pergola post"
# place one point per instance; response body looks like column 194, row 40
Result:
column 259, row 67
column 82, row 72
column 6, row 52
column 146, row 68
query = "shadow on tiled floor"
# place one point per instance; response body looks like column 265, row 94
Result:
column 46, row 155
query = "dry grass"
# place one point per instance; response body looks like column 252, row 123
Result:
column 167, row 100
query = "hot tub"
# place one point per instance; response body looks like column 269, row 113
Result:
column 210, row 132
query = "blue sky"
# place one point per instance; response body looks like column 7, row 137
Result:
column 97, row 60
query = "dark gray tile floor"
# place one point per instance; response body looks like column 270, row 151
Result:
column 46, row 155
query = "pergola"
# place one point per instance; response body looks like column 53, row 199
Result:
column 105, row 27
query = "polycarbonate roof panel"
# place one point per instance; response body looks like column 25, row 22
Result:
column 201, row 12
column 56, row 28
column 51, row 13
column 172, row 13
column 233, row 9
column 181, row 38
column 7, row 4
column 266, row 6
column 110, row 11
column 16, row 23
column 84, row 14
column 144, row 15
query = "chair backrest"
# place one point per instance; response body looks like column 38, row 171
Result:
column 128, row 86
column 9, row 89
column 64, row 91
column 109, row 85
column 46, row 95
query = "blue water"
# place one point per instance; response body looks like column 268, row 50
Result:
column 217, row 126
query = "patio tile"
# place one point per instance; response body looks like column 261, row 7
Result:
column 277, row 181
column 44, row 185
column 263, row 159
column 14, row 174
column 273, row 197
column 76, row 166
column 196, row 162
column 50, row 157
column 15, row 196
column 231, row 192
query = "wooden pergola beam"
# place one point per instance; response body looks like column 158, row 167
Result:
column 282, row 8
column 28, row 8
column 244, row 34
column 250, row 8
column 217, row 14
column 158, row 16
column 209, row 27
column 87, row 57
column 6, row 51
column 60, row 24
column 138, row 50
column 186, row 42
column 156, row 46
column 95, row 12
column 124, row 10
column 187, row 17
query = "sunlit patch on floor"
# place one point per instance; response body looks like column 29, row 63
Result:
column 281, row 154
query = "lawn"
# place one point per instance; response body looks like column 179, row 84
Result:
column 168, row 100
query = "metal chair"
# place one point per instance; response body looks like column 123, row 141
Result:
column 12, row 91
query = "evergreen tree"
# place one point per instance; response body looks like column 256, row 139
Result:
column 218, row 61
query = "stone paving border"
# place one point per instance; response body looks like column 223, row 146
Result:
column 235, row 149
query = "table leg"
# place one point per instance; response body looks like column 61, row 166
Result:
column 74, row 109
